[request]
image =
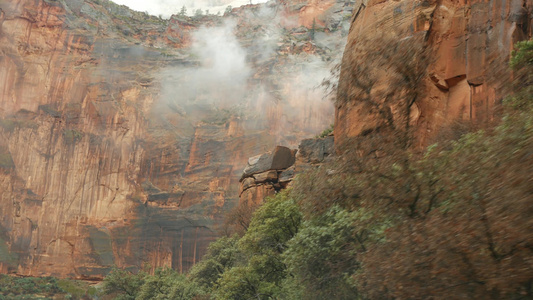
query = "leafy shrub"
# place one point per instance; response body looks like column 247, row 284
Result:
column 221, row 255
column 326, row 132
column 29, row 287
column 122, row 284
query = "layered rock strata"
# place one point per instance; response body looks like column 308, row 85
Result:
column 103, row 163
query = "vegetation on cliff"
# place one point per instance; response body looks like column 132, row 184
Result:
column 385, row 222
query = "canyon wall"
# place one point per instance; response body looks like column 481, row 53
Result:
column 112, row 153
column 123, row 136
column 464, row 81
column 470, row 43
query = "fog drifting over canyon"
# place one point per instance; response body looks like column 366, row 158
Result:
column 287, row 100
column 166, row 8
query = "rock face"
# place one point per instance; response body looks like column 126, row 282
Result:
column 74, row 108
column 315, row 151
column 470, row 41
column 101, row 165
column 262, row 176
column 270, row 172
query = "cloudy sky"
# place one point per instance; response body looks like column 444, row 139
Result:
column 169, row 7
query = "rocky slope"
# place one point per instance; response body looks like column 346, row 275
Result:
column 119, row 146
column 470, row 43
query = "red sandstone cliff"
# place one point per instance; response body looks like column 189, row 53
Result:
column 470, row 43
column 95, row 169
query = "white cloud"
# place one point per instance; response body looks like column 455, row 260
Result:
column 168, row 7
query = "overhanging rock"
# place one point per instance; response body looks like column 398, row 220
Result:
column 280, row 158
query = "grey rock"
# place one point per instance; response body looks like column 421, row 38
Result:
column 297, row 7
column 315, row 150
column 279, row 159
column 287, row 175
column 301, row 29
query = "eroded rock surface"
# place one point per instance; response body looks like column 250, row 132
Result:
column 103, row 163
column 471, row 42
column 279, row 159
column 261, row 177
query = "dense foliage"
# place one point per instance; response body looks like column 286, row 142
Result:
column 19, row 288
column 385, row 222
column 28, row 288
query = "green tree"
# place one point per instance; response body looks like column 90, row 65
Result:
column 471, row 211
column 183, row 11
column 262, row 272
column 157, row 286
column 184, row 289
column 272, row 226
column 228, row 10
column 312, row 31
column 221, row 255
column 168, row 284
column 323, row 255
column 251, row 281
column 522, row 65
column 122, row 284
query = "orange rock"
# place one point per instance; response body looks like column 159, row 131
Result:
column 93, row 172
column 471, row 42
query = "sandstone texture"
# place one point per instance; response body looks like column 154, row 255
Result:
column 470, row 41
column 103, row 162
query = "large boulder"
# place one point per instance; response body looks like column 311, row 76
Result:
column 279, row 159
